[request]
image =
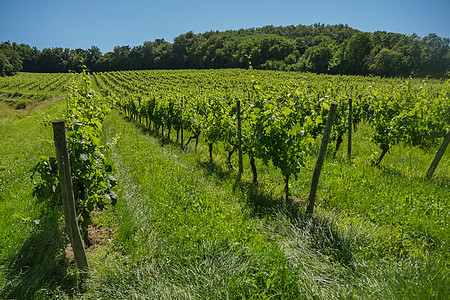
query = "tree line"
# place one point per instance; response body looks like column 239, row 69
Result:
column 318, row 48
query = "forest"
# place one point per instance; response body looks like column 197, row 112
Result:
column 318, row 48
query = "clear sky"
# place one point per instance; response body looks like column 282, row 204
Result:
column 108, row 23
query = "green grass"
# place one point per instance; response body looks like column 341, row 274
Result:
column 11, row 107
column 186, row 229
column 395, row 196
column 30, row 237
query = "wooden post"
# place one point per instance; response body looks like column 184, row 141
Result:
column 182, row 109
column 239, row 132
column 350, row 119
column 65, row 180
column 438, row 156
column 320, row 159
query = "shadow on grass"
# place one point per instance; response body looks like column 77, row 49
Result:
column 326, row 238
column 163, row 140
column 211, row 168
column 322, row 233
column 40, row 267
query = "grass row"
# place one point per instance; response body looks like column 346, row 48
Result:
column 31, row 242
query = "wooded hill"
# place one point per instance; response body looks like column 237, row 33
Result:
column 319, row 48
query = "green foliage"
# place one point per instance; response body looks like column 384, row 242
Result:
column 318, row 58
column 10, row 61
column 93, row 185
column 409, row 116
column 48, row 187
column 280, row 136
column 5, row 67
column 353, row 55
column 283, row 113
column 334, row 49
column 388, row 63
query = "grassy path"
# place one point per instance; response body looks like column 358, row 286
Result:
column 30, row 240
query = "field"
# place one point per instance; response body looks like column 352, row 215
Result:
column 187, row 226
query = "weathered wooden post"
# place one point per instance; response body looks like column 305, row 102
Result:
column 438, row 156
column 350, row 120
column 239, row 133
column 320, row 159
column 65, row 180
column 182, row 109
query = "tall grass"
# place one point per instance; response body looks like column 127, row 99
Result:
column 187, row 230
column 30, row 238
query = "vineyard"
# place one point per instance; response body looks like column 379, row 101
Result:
column 279, row 109
column 216, row 165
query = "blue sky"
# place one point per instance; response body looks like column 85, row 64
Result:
column 82, row 23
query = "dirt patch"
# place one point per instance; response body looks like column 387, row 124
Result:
column 99, row 236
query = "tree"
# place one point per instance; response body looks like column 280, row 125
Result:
column 5, row 67
column 10, row 61
column 28, row 55
column 352, row 55
column 147, row 55
column 53, row 60
column 93, row 56
column 435, row 56
column 318, row 57
column 188, row 50
column 389, row 63
column 120, row 58
column 77, row 60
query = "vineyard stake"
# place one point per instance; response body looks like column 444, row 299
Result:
column 350, row 117
column 239, row 132
column 65, row 179
column 438, row 155
column 320, row 159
